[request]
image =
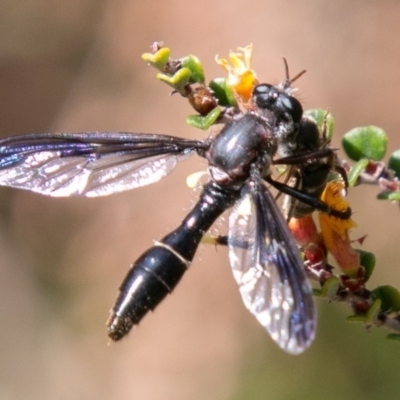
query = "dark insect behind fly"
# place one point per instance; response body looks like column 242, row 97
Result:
column 268, row 270
column 305, row 150
column 309, row 170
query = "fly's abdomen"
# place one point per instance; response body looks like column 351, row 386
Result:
column 156, row 273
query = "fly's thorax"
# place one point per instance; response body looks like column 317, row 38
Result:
column 239, row 146
column 286, row 135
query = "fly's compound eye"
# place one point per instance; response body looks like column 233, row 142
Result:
column 269, row 97
column 264, row 96
column 291, row 106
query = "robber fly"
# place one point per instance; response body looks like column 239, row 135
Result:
column 305, row 150
column 269, row 270
column 311, row 164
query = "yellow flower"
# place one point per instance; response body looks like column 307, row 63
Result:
column 333, row 198
column 335, row 231
column 241, row 78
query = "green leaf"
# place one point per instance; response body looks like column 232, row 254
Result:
column 158, row 59
column 358, row 318
column 319, row 115
column 356, row 170
column 374, row 310
column 178, row 81
column 391, row 196
column 389, row 296
column 223, row 92
column 330, row 288
column 365, row 142
column 317, row 292
column 196, row 68
column 394, row 163
column 197, row 121
column 369, row 317
column 367, row 260
column 393, row 336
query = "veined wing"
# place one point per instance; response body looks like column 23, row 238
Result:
column 267, row 266
column 90, row 163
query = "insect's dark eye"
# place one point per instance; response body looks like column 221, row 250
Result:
column 269, row 97
column 264, row 96
column 292, row 106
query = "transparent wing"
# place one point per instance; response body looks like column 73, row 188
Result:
column 267, row 267
column 89, row 163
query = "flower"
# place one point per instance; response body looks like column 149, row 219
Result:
column 335, row 231
column 241, row 78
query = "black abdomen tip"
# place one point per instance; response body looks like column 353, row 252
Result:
column 118, row 327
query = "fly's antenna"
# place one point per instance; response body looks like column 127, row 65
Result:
column 288, row 80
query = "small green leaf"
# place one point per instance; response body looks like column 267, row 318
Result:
column 317, row 292
column 394, row 163
column 369, row 317
column 319, row 115
column 389, row 296
column 158, row 59
column 195, row 67
column 356, row 170
column 391, row 196
column 374, row 310
column 330, row 288
column 200, row 122
column 362, row 318
column 394, row 336
column 223, row 92
column 365, row 142
column 367, row 260
column 178, row 81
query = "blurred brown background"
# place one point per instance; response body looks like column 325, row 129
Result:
column 73, row 66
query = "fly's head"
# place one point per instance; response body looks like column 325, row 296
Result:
column 285, row 107
column 282, row 111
